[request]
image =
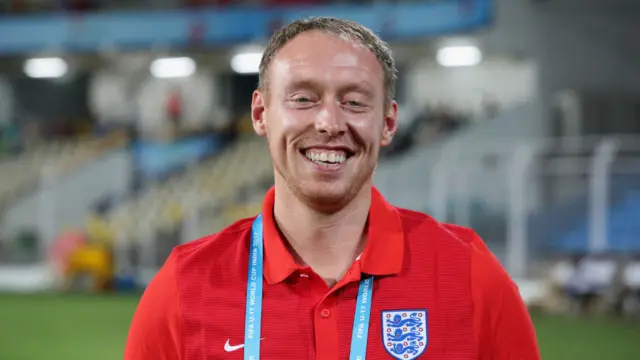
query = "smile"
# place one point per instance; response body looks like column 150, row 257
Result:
column 326, row 157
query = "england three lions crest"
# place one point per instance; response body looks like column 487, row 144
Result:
column 404, row 333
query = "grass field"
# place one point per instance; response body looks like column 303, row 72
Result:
column 77, row 327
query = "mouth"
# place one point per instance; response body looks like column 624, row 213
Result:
column 327, row 157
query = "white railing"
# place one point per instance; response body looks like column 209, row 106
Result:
column 599, row 192
column 517, row 222
column 456, row 181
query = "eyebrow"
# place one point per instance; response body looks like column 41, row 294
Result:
column 362, row 86
column 303, row 84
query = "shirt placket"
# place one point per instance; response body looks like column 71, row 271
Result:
column 327, row 336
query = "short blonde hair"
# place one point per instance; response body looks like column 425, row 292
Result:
column 348, row 30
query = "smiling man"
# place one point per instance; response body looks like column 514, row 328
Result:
column 329, row 270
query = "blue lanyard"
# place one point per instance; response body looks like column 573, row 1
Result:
column 253, row 312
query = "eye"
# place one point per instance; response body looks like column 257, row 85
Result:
column 302, row 100
column 354, row 103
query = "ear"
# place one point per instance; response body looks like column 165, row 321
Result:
column 390, row 124
column 257, row 113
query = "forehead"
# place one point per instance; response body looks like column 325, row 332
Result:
column 323, row 57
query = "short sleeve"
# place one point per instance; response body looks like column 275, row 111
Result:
column 156, row 328
column 502, row 326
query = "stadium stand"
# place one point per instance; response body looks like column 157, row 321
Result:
column 214, row 182
column 22, row 173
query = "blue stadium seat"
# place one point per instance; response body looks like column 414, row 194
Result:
column 623, row 230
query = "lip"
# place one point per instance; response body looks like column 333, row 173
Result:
column 349, row 151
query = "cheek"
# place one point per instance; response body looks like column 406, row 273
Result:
column 288, row 125
column 274, row 124
column 292, row 125
column 280, row 130
column 368, row 130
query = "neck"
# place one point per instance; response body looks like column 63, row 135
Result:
column 328, row 242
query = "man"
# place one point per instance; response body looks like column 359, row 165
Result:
column 329, row 270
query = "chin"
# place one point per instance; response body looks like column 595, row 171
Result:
column 329, row 195
column 325, row 191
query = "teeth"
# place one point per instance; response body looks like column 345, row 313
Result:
column 326, row 157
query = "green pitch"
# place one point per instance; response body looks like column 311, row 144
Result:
column 80, row 327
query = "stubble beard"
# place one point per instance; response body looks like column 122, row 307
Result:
column 326, row 203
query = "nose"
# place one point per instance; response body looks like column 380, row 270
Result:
column 330, row 120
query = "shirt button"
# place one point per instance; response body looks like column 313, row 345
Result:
column 325, row 313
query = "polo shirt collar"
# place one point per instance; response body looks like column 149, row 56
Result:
column 383, row 253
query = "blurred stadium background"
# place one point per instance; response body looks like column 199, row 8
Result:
column 124, row 131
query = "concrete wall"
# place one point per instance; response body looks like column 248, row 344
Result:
column 533, row 50
column 577, row 44
column 506, row 81
column 6, row 102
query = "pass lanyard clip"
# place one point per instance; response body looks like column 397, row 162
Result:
column 253, row 305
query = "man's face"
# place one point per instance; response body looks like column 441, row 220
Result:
column 324, row 117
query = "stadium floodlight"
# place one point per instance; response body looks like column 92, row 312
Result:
column 45, row 68
column 246, row 63
column 177, row 67
column 455, row 56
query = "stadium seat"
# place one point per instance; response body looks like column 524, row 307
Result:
column 623, row 230
column 22, row 173
column 213, row 183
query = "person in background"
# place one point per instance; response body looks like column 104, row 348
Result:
column 175, row 108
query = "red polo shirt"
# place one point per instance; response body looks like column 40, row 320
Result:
column 467, row 306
